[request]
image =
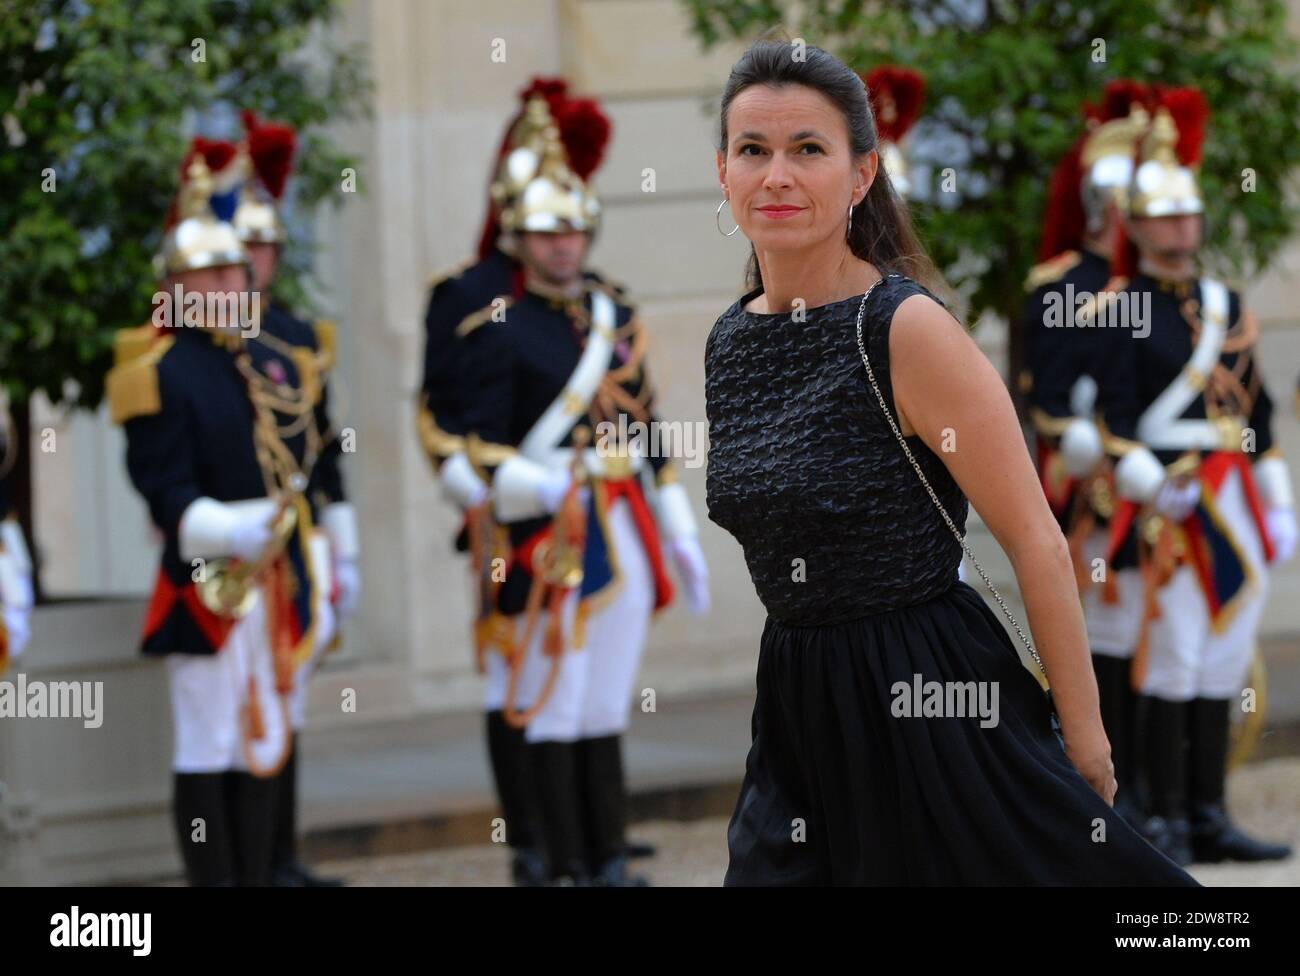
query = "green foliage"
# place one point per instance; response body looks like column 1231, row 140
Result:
column 1008, row 80
column 104, row 94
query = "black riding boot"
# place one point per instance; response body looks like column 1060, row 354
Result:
column 559, row 808
column 286, row 870
column 508, row 753
column 1214, row 836
column 250, row 803
column 1168, row 829
column 604, row 798
column 202, row 830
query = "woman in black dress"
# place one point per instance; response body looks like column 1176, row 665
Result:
column 869, row 629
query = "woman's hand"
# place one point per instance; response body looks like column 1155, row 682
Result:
column 1090, row 753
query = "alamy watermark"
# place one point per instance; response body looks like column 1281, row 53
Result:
column 658, row 438
column 946, row 699
column 53, row 699
column 191, row 309
column 76, row 929
column 1082, row 309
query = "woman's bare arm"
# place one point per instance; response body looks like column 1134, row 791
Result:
column 947, row 391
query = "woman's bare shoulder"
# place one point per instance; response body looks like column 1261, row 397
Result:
column 921, row 323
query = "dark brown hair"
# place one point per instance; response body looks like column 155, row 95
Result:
column 881, row 232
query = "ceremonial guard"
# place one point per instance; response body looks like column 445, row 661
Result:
column 220, row 446
column 1067, row 353
column 16, row 595
column 455, row 297
column 268, row 154
column 896, row 95
column 555, row 379
column 1202, row 480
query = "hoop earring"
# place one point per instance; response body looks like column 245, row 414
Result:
column 848, row 231
column 717, row 219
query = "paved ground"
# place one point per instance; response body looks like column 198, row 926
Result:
column 1265, row 797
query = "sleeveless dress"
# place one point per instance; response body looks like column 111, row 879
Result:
column 847, row 781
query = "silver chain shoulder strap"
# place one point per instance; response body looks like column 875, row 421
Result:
column 926, row 482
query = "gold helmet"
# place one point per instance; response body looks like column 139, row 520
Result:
column 555, row 198
column 526, row 143
column 549, row 115
column 267, row 153
column 1107, row 163
column 257, row 220
column 197, row 237
column 1164, row 182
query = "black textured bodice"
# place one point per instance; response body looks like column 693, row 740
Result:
column 805, row 472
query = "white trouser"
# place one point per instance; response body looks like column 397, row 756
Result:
column 593, row 691
column 1187, row 659
column 208, row 693
column 498, row 679
column 1113, row 628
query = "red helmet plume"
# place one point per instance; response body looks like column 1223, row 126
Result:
column 896, row 94
column 270, row 147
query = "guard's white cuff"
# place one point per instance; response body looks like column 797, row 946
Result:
column 339, row 519
column 1139, row 475
column 516, row 489
column 13, row 544
column 676, row 519
column 1273, row 479
column 460, row 482
column 1081, row 447
column 208, row 526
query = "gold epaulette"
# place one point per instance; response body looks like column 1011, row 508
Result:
column 452, row 272
column 484, row 315
column 133, row 342
column 1053, row 269
column 132, row 386
column 326, row 342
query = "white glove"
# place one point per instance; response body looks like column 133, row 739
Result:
column 18, row 624
column 688, row 557
column 553, row 485
column 249, row 537
column 348, row 579
column 1176, row 500
column 1281, row 526
column 460, row 482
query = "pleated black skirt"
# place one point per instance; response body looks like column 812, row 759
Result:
column 840, row 788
